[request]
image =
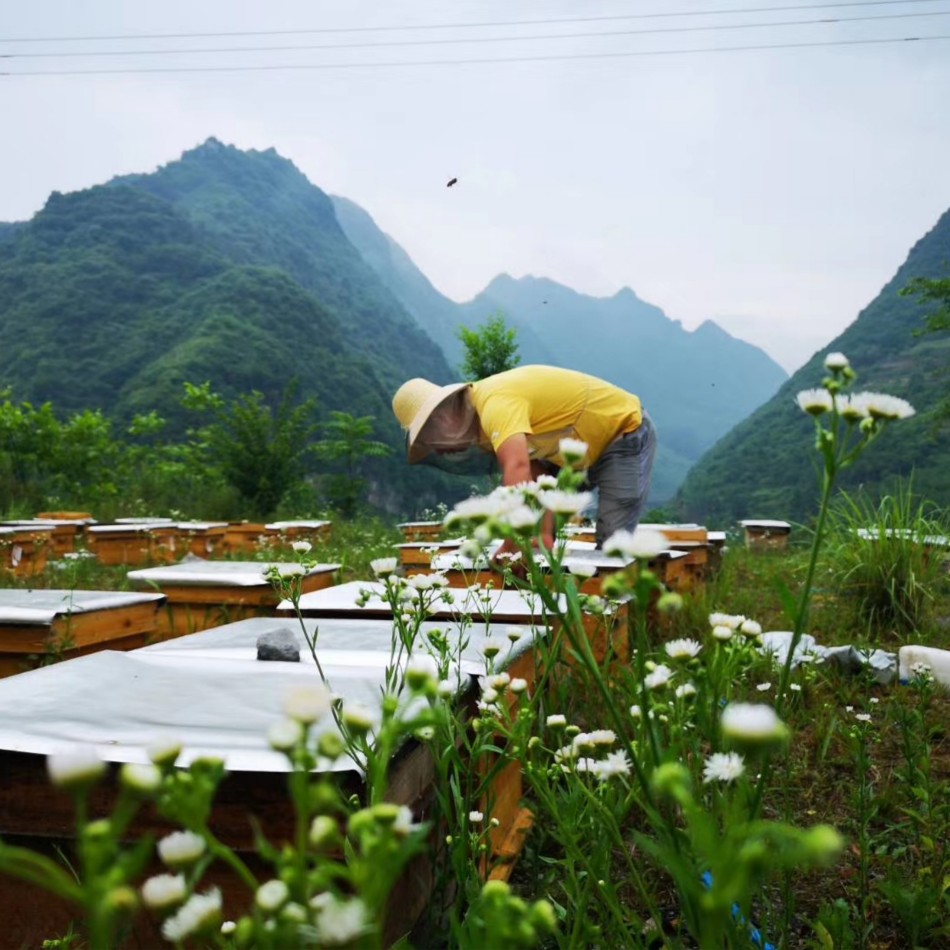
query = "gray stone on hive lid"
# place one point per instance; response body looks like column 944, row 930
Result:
column 278, row 644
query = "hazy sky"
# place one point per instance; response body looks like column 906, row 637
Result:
column 772, row 190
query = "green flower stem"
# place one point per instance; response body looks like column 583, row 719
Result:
column 227, row 855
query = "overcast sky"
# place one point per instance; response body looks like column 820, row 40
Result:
column 774, row 191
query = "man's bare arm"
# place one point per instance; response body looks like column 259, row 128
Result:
column 516, row 469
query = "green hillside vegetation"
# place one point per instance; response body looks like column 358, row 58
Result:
column 226, row 267
column 759, row 471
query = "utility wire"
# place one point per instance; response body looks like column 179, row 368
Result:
column 474, row 62
column 461, row 26
column 718, row 27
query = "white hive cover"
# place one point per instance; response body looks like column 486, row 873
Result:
column 506, row 606
column 198, row 572
column 41, row 607
column 281, row 525
column 207, row 691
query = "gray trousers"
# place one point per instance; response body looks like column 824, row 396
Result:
column 622, row 478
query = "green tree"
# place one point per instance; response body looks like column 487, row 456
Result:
column 347, row 443
column 489, row 349
column 260, row 452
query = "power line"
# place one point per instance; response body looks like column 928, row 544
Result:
column 473, row 62
column 461, row 26
column 717, row 27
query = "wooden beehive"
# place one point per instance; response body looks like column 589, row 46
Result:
column 40, row 625
column 133, row 543
column 418, row 554
column 62, row 533
column 607, row 635
column 766, row 535
column 420, row 530
column 209, row 691
column 24, row 551
column 203, row 594
column 284, row 533
column 244, row 537
column 201, row 538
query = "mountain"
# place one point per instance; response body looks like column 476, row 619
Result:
column 764, row 468
column 226, row 266
column 696, row 385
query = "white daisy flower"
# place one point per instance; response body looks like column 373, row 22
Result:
column 750, row 628
column 882, row 406
column 684, row 649
column 163, row 891
column 616, row 763
column 358, row 717
column 339, row 922
column 140, row 777
column 80, row 766
column 752, row 722
column 285, row 734
column 199, row 912
column 732, row 621
column 852, row 408
column 723, row 767
column 572, row 450
column 521, row 518
column 566, row 503
column 163, row 751
column 644, row 543
column 383, row 566
column 307, row 703
column 181, row 848
column 272, row 895
column 836, row 361
column 579, row 568
column 658, row 678
column 815, row 401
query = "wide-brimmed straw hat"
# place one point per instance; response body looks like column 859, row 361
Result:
column 414, row 403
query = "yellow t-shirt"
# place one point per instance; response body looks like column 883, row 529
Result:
column 548, row 404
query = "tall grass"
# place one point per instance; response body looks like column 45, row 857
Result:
column 885, row 559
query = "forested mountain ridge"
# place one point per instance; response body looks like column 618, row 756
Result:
column 112, row 297
column 257, row 208
column 696, row 385
column 764, row 468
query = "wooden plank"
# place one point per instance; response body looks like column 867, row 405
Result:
column 508, row 852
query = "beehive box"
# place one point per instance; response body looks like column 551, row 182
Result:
column 131, row 543
column 420, row 530
column 418, row 554
column 203, row 594
column 208, row 691
column 201, row 538
column 244, row 537
column 520, row 607
column 39, row 625
column 766, row 535
column 24, row 551
column 62, row 533
column 286, row 532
